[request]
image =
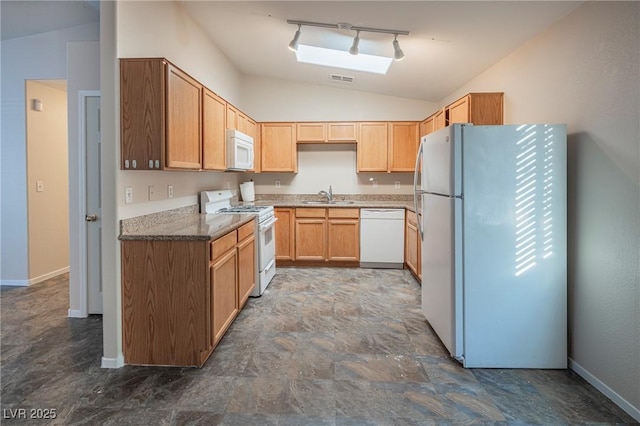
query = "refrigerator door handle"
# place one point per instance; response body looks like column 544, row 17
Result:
column 416, row 192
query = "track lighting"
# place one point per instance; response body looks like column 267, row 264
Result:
column 398, row 54
column 293, row 45
column 354, row 47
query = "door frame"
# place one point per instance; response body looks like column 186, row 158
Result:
column 81, row 226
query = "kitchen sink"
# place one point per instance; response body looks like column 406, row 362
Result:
column 327, row 202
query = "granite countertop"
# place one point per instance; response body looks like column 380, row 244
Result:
column 181, row 225
column 187, row 223
column 354, row 201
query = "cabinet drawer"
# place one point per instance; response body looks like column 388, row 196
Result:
column 344, row 213
column 246, row 230
column 310, row 212
column 223, row 245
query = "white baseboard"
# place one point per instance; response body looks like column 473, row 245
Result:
column 15, row 283
column 36, row 280
column 606, row 390
column 76, row 313
column 113, row 362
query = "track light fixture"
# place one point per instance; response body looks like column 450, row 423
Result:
column 398, row 54
column 354, row 47
column 293, row 45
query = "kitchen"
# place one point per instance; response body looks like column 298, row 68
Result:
column 134, row 42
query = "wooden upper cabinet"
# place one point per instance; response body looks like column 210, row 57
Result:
column 278, row 150
column 142, row 113
column 253, row 130
column 426, row 126
column 232, row 117
column 213, row 131
column 311, row 132
column 403, row 146
column 439, row 121
column 477, row 108
column 342, row 132
column 327, row 132
column 184, row 115
column 372, row 148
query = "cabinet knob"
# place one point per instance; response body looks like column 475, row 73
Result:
column 126, row 164
column 134, row 164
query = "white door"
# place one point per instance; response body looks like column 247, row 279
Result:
column 93, row 210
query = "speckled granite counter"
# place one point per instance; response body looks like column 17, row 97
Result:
column 187, row 224
column 354, row 201
column 181, row 224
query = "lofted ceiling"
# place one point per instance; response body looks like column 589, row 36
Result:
column 450, row 42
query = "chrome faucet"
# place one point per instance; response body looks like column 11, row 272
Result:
column 329, row 194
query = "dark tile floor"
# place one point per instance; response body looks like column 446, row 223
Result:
column 320, row 347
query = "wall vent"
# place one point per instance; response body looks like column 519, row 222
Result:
column 342, row 78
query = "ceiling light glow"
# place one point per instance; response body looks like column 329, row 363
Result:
column 340, row 59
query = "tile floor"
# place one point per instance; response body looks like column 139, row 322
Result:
column 330, row 346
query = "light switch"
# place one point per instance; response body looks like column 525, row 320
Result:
column 151, row 192
column 170, row 191
column 39, row 186
column 128, row 195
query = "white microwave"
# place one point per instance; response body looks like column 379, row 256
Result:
column 239, row 150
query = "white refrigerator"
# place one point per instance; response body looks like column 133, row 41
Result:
column 493, row 226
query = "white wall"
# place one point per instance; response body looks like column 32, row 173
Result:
column 584, row 71
column 270, row 99
column 48, row 210
column 38, row 57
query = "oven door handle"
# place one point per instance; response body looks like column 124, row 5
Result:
column 268, row 224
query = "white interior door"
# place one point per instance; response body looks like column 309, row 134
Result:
column 93, row 212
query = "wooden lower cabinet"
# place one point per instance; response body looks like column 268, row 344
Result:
column 323, row 235
column 224, row 288
column 246, row 262
column 285, row 233
column 343, row 235
column 311, row 234
column 165, row 308
column 179, row 297
column 413, row 244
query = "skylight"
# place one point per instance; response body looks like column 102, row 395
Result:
column 341, row 59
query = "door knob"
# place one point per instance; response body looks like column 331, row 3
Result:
column 90, row 217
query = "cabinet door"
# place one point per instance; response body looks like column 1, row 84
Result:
column 213, row 131
column 403, row 146
column 411, row 243
column 246, row 269
column 254, row 132
column 184, row 135
column 232, row 117
column 342, row 132
column 311, row 132
column 459, row 111
column 343, row 240
column 486, row 108
column 142, row 103
column 439, row 121
column 426, row 126
column 311, row 239
column 372, row 147
column 285, row 233
column 224, row 293
column 279, row 147
column 242, row 123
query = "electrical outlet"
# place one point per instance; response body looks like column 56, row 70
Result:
column 374, row 183
column 227, row 185
column 170, row 191
column 277, row 184
column 39, row 186
column 128, row 195
column 397, row 184
column 151, row 192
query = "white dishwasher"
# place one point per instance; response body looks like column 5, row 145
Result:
column 382, row 238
